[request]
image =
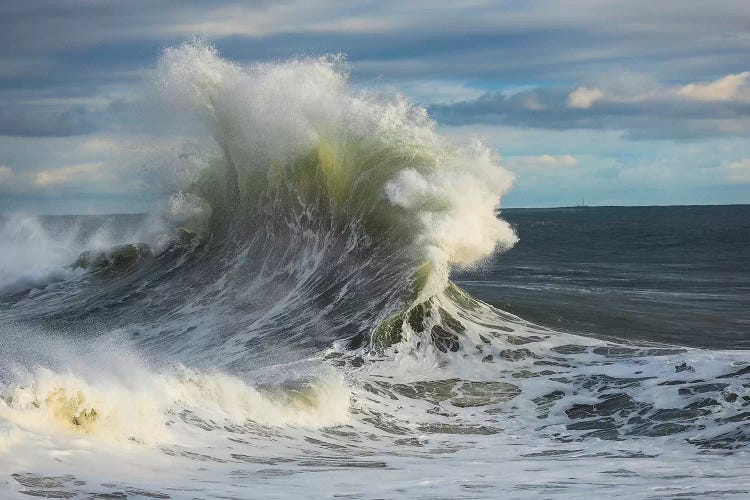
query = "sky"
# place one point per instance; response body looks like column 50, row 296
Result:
column 631, row 102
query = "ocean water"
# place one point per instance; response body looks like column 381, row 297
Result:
column 331, row 305
column 677, row 275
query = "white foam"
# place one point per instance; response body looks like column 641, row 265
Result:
column 139, row 408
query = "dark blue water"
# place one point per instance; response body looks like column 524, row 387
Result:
column 678, row 275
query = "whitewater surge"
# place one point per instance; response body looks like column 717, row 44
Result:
column 284, row 325
column 112, row 411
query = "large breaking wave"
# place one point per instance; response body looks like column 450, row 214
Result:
column 298, row 143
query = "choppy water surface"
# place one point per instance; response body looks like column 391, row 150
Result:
column 677, row 275
column 286, row 327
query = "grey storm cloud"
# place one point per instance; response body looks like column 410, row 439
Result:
column 77, row 49
column 45, row 121
column 437, row 38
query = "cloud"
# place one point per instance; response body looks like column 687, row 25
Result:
column 75, row 179
column 76, row 45
column 53, row 179
column 645, row 110
column 65, row 175
column 6, row 175
column 101, row 145
column 434, row 91
column 542, row 161
column 584, row 97
column 731, row 88
column 739, row 171
column 532, row 103
column 45, row 121
column 71, row 73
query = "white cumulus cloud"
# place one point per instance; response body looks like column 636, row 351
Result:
column 584, row 97
column 543, row 161
column 726, row 89
column 65, row 175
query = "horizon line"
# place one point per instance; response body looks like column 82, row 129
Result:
column 500, row 209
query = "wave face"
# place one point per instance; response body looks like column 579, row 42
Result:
column 286, row 322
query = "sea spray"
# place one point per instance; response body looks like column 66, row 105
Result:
column 297, row 131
